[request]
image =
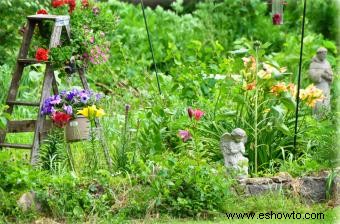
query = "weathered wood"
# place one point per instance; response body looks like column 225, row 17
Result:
column 45, row 93
column 82, row 77
column 19, row 68
column 29, row 61
column 22, row 103
column 20, row 126
column 55, row 38
column 41, row 17
column 26, row 126
column 55, row 85
column 68, row 31
column 16, row 146
column 13, row 89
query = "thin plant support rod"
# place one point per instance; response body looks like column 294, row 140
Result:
column 299, row 75
column 151, row 48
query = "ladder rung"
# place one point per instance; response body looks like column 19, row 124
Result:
column 16, row 146
column 47, row 17
column 30, row 61
column 21, row 126
column 22, row 103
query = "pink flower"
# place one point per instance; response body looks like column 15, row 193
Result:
column 184, row 135
column 92, row 40
column 277, row 19
column 198, row 114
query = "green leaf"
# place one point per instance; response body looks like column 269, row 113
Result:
column 279, row 111
column 3, row 122
column 282, row 127
column 289, row 103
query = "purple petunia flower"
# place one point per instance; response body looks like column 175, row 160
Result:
column 68, row 109
column 84, row 97
column 99, row 96
column 47, row 109
column 55, row 100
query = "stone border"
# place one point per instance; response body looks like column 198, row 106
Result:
column 311, row 189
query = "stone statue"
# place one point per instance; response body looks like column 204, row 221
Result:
column 233, row 150
column 320, row 72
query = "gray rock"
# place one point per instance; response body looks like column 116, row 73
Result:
column 336, row 190
column 264, row 188
column 313, row 189
column 282, row 177
column 28, row 201
column 256, row 181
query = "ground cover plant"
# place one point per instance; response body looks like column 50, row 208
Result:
column 221, row 64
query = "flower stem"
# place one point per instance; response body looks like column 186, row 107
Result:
column 256, row 109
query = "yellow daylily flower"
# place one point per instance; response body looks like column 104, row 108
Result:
column 311, row 95
column 100, row 112
column 91, row 112
column 84, row 112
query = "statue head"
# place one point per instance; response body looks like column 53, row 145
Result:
column 321, row 53
column 238, row 134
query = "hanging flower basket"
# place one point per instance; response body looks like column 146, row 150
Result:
column 75, row 111
column 77, row 129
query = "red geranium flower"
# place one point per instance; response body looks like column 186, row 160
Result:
column 72, row 5
column 42, row 11
column 277, row 18
column 58, row 3
column 60, row 118
column 42, row 54
column 85, row 3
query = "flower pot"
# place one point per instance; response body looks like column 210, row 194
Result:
column 78, row 129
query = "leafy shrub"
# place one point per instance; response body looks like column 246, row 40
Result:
column 184, row 186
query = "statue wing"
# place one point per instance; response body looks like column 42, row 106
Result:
column 226, row 137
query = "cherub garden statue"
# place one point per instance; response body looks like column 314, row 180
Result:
column 233, row 150
column 321, row 74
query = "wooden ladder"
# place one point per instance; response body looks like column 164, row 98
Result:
column 40, row 125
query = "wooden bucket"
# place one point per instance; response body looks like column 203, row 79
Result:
column 78, row 129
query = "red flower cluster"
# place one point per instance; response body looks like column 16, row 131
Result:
column 60, row 119
column 277, row 19
column 42, row 11
column 197, row 114
column 41, row 54
column 71, row 4
column 85, row 3
column 58, row 3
